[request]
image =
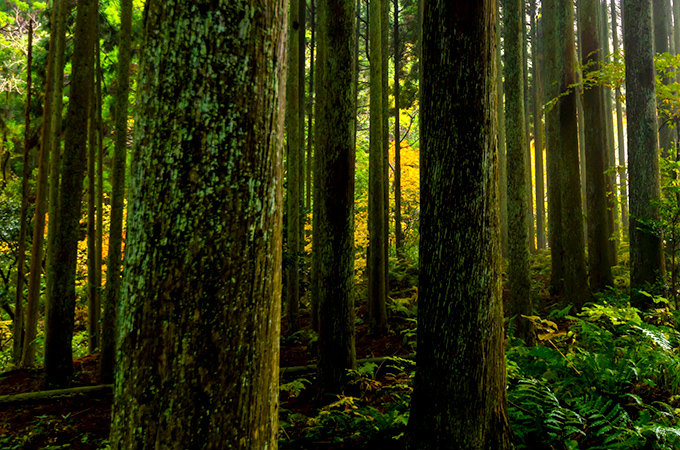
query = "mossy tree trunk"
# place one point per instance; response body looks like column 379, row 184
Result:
column 113, row 278
column 377, row 311
column 568, row 249
column 333, row 238
column 500, row 120
column 646, row 248
column 599, row 255
column 294, row 159
column 660, row 14
column 529, row 199
column 61, row 294
column 518, row 189
column 201, row 290
column 459, row 398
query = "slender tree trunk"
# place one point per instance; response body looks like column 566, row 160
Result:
column 661, row 45
column 204, row 340
column 398, row 232
column 518, row 215
column 539, row 134
column 49, row 136
column 581, row 124
column 599, row 255
column 310, row 115
column 385, row 53
column 92, row 286
column 113, row 275
column 646, row 248
column 610, row 178
column 502, row 161
column 676, row 25
column 100, row 181
column 61, row 294
column 623, row 183
column 459, row 398
column 377, row 311
column 294, row 146
column 564, row 161
column 333, row 238
column 18, row 332
column 529, row 199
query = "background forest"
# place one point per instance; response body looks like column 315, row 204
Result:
column 230, row 224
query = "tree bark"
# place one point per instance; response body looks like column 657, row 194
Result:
column 202, row 285
column 568, row 252
column 294, row 153
column 61, row 294
column 459, row 398
column 398, row 232
column 333, row 238
column 18, row 332
column 519, row 285
column 539, row 132
column 646, row 248
column 599, row 255
column 377, row 311
column 623, row 183
column 502, row 161
column 93, row 286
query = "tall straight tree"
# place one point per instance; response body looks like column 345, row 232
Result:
column 294, row 159
column 662, row 45
column 93, row 283
column 646, row 248
column 529, row 199
column 610, row 178
column 201, row 291
column 333, row 238
column 18, row 330
column 599, row 254
column 61, row 294
column 385, row 53
column 459, row 398
column 623, row 183
column 113, row 276
column 539, row 133
column 52, row 114
column 377, row 311
column 518, row 213
column 500, row 118
column 310, row 115
column 398, row 231
column 564, row 184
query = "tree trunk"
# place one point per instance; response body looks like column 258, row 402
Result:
column 18, row 332
column 599, row 255
column 100, row 181
column 459, row 398
column 61, row 295
column 385, row 36
column 623, row 183
column 92, row 283
column 294, row 151
column 539, row 134
column 333, row 238
column 518, row 214
column 502, row 161
column 398, row 232
column 51, row 123
column 113, row 277
column 310, row 117
column 661, row 45
column 529, row 199
column 563, row 159
column 202, row 284
column 377, row 311
column 646, row 248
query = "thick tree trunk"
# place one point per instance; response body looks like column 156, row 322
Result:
column 623, row 183
column 563, row 160
column 333, row 238
column 18, row 331
column 646, row 248
column 518, row 214
column 459, row 396
column 201, row 290
column 377, row 311
column 599, row 255
column 61, row 294
column 51, row 122
column 294, row 152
